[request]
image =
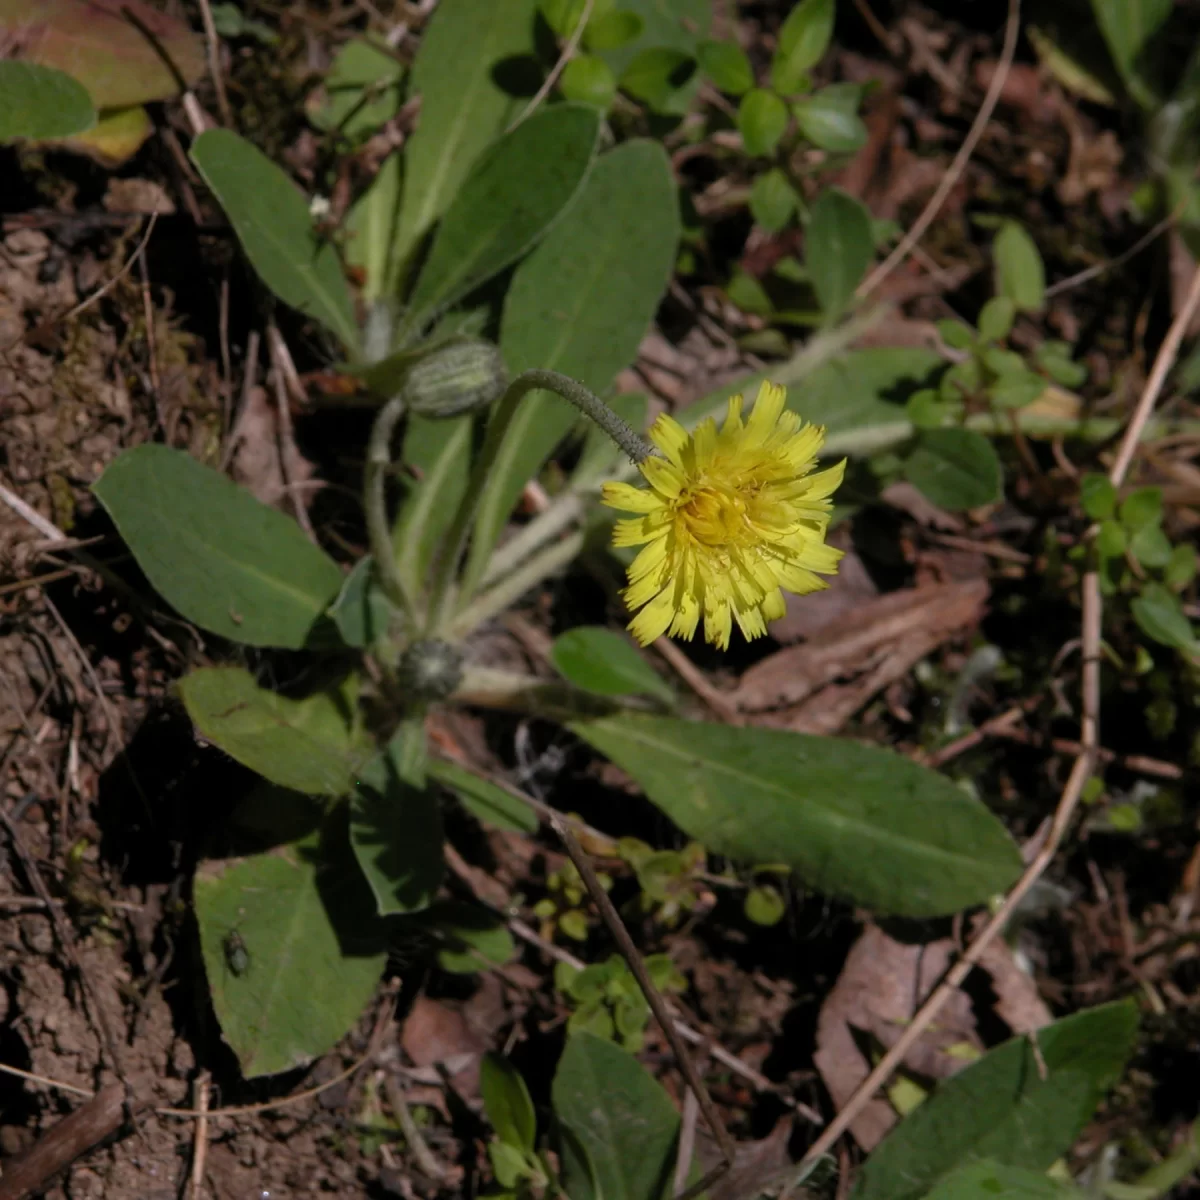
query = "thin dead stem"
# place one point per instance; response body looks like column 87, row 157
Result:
column 952, row 176
column 568, row 53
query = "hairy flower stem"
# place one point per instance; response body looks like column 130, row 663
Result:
column 592, row 407
column 379, row 460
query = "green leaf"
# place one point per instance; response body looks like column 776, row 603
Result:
column 955, row 469
column 1181, row 569
column 996, row 318
column 516, row 190
column 726, row 65
column 1017, row 1106
column 839, row 248
column 1151, row 547
column 613, row 29
column 1142, row 507
column 987, row 1180
column 563, row 16
column 773, row 200
column 675, row 25
column 1128, row 25
column 39, row 103
column 309, row 745
column 656, row 75
column 955, row 334
column 829, row 122
column 1111, row 539
column 473, row 939
column 1098, row 496
column 507, row 1103
column 230, row 564
column 606, row 664
column 313, row 949
column 362, row 612
column 803, row 39
column 761, row 119
column 464, row 105
column 270, row 216
column 1160, row 617
column 491, row 804
column 1020, row 274
column 581, row 304
column 396, row 828
column 588, row 80
column 851, row 819
column 621, row 1116
column 764, row 906
column 362, row 90
column 1017, row 390
column 371, row 229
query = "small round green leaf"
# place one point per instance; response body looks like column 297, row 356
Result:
column 655, row 75
column 1181, row 570
column 726, row 65
column 803, row 39
column 1142, row 507
column 764, row 905
column 762, row 118
column 603, row 662
column 996, row 318
column 39, row 103
column 838, row 248
column 587, row 79
column 1151, row 547
column 772, row 200
column 956, row 335
column 611, row 30
column 1160, row 617
column 1098, row 496
column 830, row 124
column 1020, row 273
column 1111, row 540
column 955, row 469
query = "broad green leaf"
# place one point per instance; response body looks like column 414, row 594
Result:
column 1160, row 616
column 838, row 249
column 1017, row 1106
column 803, row 39
column 292, row 949
column 773, row 200
column 1151, row 547
column 439, row 451
column 656, row 75
column 1142, row 507
column 271, row 218
column 587, row 79
column 851, row 819
column 607, row 664
column 230, row 564
column 761, row 119
column 726, row 65
column 988, row 1180
column 1020, row 274
column 491, row 804
column 40, row 102
column 1181, row 569
column 955, row 469
column 100, row 47
column 362, row 611
column 829, row 119
column 371, row 229
column 362, row 90
column 506, row 1102
column 459, row 75
column 581, row 304
column 1128, row 26
column 310, row 745
column 396, row 830
column 623, row 1119
column 513, row 194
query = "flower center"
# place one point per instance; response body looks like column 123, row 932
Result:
column 714, row 514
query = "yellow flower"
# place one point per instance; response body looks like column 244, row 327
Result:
column 731, row 517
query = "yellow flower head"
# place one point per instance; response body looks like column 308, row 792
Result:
column 730, row 518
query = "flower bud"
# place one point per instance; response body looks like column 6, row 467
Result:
column 458, row 377
column 431, row 669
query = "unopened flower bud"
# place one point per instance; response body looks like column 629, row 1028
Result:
column 461, row 376
column 431, row 669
